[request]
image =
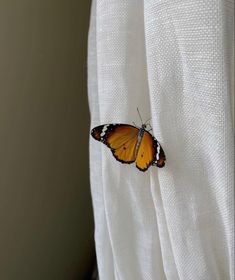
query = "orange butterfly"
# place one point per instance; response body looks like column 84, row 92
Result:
column 131, row 144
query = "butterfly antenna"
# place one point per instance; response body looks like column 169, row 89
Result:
column 148, row 124
column 148, row 120
column 139, row 115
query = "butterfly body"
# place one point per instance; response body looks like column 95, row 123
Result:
column 139, row 137
column 131, row 144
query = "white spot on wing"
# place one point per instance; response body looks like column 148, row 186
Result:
column 158, row 150
column 104, row 130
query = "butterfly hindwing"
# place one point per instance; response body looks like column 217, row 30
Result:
column 120, row 138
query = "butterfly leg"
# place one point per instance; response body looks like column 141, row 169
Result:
column 151, row 129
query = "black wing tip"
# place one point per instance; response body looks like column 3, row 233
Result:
column 160, row 163
column 95, row 134
column 160, row 166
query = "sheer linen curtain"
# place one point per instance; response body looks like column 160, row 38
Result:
column 172, row 60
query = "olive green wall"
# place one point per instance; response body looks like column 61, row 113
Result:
column 46, row 223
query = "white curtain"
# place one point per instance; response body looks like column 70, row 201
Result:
column 173, row 60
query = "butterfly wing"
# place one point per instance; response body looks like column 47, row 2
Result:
column 120, row 138
column 150, row 153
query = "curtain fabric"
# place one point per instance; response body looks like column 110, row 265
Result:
column 173, row 60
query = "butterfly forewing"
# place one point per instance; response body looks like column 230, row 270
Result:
column 120, row 138
column 160, row 157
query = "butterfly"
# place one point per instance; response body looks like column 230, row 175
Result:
column 130, row 144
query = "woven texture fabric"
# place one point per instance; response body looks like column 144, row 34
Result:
column 172, row 60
